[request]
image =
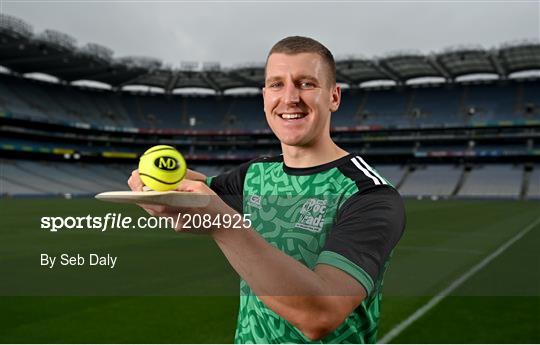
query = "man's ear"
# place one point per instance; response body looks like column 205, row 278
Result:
column 336, row 98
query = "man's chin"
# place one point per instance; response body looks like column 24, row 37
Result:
column 294, row 142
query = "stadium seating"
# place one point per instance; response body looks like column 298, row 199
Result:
column 493, row 181
column 490, row 102
column 350, row 110
column 445, row 104
column 147, row 111
column 529, row 93
column 11, row 184
column 69, row 174
column 49, row 101
column 40, row 184
column 205, row 112
column 404, row 106
column 245, row 113
column 393, row 173
column 59, row 178
column 384, row 107
column 10, row 101
column 433, row 180
column 437, row 104
column 25, row 177
column 534, row 183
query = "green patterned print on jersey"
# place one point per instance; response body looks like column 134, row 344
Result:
column 295, row 213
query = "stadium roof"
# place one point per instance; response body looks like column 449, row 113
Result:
column 57, row 54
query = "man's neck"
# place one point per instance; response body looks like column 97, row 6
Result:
column 305, row 157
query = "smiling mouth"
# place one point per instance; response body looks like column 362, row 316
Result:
column 292, row 116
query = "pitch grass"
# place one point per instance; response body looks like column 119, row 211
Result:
column 442, row 241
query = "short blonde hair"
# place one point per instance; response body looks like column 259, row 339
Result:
column 298, row 44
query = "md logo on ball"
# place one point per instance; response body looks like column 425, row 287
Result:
column 166, row 163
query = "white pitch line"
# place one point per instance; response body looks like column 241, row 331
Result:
column 394, row 332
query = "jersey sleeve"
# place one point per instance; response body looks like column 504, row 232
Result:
column 230, row 186
column 367, row 228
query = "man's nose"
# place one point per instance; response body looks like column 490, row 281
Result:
column 292, row 94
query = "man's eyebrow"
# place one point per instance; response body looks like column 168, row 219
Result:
column 307, row 76
column 299, row 77
column 272, row 79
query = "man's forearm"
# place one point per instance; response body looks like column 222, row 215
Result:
column 296, row 293
column 259, row 263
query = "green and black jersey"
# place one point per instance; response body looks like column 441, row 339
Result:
column 343, row 214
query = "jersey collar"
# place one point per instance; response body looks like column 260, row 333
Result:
column 318, row 168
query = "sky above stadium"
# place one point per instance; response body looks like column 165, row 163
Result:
column 236, row 32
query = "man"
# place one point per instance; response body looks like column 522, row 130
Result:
column 324, row 222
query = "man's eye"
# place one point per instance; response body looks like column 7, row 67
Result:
column 275, row 85
column 307, row 85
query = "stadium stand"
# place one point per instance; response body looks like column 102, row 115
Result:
column 12, row 172
column 533, row 191
column 489, row 102
column 350, row 109
column 32, row 177
column 493, row 181
column 205, row 112
column 10, row 101
column 111, row 175
column 529, row 100
column 245, row 113
column 67, row 174
column 149, row 111
column 456, row 137
column 393, row 173
column 385, row 108
column 433, row 180
column 26, row 177
column 23, row 177
column 435, row 105
column 49, row 101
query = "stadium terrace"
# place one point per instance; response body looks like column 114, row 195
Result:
column 57, row 54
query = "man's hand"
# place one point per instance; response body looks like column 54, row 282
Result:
column 216, row 207
column 137, row 185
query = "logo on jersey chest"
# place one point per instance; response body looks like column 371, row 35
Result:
column 312, row 215
column 254, row 201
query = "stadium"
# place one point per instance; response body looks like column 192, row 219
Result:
column 463, row 151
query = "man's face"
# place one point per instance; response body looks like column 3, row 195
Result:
column 298, row 98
